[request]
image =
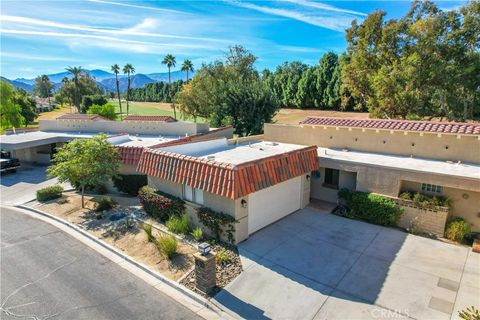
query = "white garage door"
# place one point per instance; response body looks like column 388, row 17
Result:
column 268, row 205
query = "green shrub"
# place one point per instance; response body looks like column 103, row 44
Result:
column 197, row 233
column 147, row 227
column 425, row 201
column 105, row 203
column 49, row 193
column 178, row 224
column 457, row 229
column 371, row 207
column 130, row 183
column 217, row 222
column 167, row 245
column 222, row 257
column 406, row 195
column 160, row 205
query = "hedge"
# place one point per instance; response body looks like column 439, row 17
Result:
column 371, row 207
column 218, row 223
column 49, row 193
column 130, row 183
column 160, row 205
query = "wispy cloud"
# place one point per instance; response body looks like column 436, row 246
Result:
column 323, row 6
column 325, row 18
column 136, row 30
column 35, row 57
column 123, row 4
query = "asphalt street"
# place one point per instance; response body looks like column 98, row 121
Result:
column 47, row 274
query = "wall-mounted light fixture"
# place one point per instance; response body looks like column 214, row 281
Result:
column 243, row 203
column 308, row 177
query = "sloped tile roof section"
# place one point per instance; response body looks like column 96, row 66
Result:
column 402, row 125
column 150, row 118
column 79, row 116
column 224, row 179
column 130, row 154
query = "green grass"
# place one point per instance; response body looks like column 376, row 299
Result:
column 151, row 109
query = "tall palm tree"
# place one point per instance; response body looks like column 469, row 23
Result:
column 75, row 72
column 128, row 69
column 116, row 69
column 187, row 66
column 170, row 61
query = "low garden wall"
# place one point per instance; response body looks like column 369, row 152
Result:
column 431, row 220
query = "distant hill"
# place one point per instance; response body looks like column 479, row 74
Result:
column 18, row 84
column 138, row 81
column 105, row 79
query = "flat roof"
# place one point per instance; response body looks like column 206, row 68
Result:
column 37, row 138
column 464, row 170
column 127, row 140
column 219, row 150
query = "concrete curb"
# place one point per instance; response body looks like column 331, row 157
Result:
column 209, row 310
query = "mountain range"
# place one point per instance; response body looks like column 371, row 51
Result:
column 104, row 79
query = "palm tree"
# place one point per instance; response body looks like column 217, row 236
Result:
column 170, row 61
column 128, row 69
column 116, row 69
column 187, row 66
column 75, row 72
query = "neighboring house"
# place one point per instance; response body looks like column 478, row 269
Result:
column 391, row 156
column 257, row 182
column 44, row 104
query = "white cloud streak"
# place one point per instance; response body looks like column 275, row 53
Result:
column 122, row 4
column 134, row 31
column 324, row 18
column 323, row 6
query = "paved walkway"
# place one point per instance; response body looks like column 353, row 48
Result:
column 314, row 265
column 48, row 274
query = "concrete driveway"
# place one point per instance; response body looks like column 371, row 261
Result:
column 21, row 186
column 314, row 265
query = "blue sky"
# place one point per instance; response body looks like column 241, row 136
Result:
column 46, row 36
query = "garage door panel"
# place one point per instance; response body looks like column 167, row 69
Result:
column 269, row 205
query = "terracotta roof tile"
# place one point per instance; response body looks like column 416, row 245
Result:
column 80, row 116
column 149, row 118
column 405, row 125
column 225, row 179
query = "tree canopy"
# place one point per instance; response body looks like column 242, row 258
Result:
column 10, row 111
column 86, row 162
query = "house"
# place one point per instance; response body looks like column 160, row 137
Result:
column 389, row 157
column 44, row 104
column 257, row 182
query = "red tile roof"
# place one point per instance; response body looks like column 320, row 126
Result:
column 79, row 116
column 404, row 125
column 232, row 181
column 130, row 154
column 150, row 118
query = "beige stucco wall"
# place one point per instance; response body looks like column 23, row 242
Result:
column 179, row 128
column 465, row 203
column 40, row 154
column 346, row 179
column 427, row 145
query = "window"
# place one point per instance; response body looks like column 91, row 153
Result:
column 431, row 188
column 192, row 194
column 331, row 178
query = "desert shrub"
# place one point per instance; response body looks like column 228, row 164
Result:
column 178, row 224
column 105, row 203
column 371, row 207
column 130, row 183
column 49, row 193
column 471, row 313
column 160, row 205
column 217, row 222
column 62, row 201
column 406, row 195
column 197, row 233
column 147, row 227
column 222, row 257
column 457, row 229
column 167, row 245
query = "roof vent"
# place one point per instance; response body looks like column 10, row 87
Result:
column 210, row 157
column 272, row 143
